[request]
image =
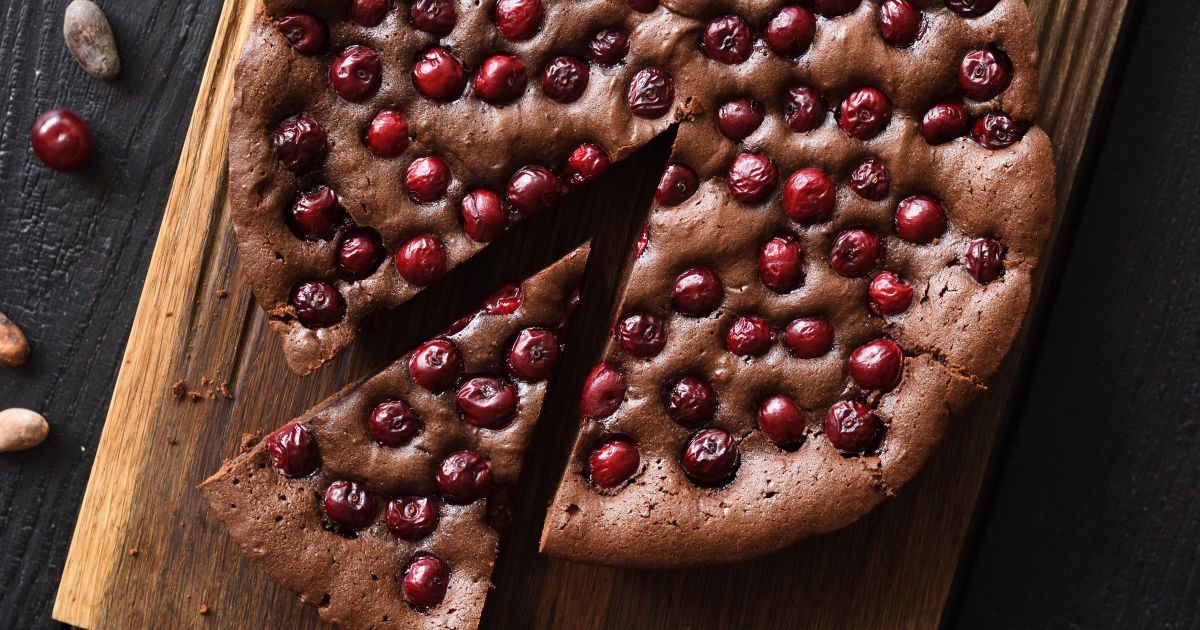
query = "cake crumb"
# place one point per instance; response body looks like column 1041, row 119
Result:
column 225, row 391
column 133, row 552
column 203, row 609
column 222, row 294
column 171, row 440
column 179, row 389
column 249, row 440
column 204, row 381
column 194, row 395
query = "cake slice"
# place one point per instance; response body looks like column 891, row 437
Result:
column 383, row 506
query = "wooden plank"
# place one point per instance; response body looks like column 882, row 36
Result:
column 894, row 569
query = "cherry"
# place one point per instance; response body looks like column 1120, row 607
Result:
column 997, row 131
column 920, row 219
column 505, row 301
column 463, row 477
column 809, row 337
column 436, row 17
column 727, row 40
column 370, row 13
column 603, row 392
column 889, row 295
column 651, row 93
column 697, row 291
column 852, row 427
column 356, row 73
column 460, row 324
column 855, row 252
column 498, row 513
column 642, row 335
column 871, row 180
column 316, row 215
column 387, row 135
column 518, row 20
column 752, row 177
column 427, row 179
column 865, row 113
column 642, row 6
column 534, row 354
column 393, row 423
column 349, row 506
column 293, row 450
column 586, row 164
column 691, row 401
column 483, row 215
column 439, row 76
column 412, row 517
column 984, row 74
column 781, row 264
column 739, row 118
column 809, row 196
column 422, row 260
column 300, row 143
column 834, row 8
column 609, row 47
column 435, row 365
column 318, row 304
column 945, row 122
column 304, row 32
column 360, row 254
column 533, row 190
column 679, row 182
column 426, row 579
column 749, row 337
column 614, row 462
column 791, row 31
column 501, row 79
column 643, row 241
column 782, row 422
column 985, row 259
column 565, row 79
column 877, row 365
column 487, row 402
column 711, row 457
column 804, row 110
column 971, row 8
column 899, row 23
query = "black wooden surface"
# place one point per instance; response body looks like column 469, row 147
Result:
column 1094, row 519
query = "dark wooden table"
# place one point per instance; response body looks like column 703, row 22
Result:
column 1092, row 515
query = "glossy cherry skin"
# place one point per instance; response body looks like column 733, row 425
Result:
column 865, row 113
column 791, row 31
column 871, row 180
column 809, row 196
column 293, row 450
column 852, row 427
column 781, row 264
column 349, row 506
column 422, row 260
column 971, row 8
column 877, row 365
column 427, row 179
column 565, row 79
column 835, row 8
column 498, row 513
column 856, row 252
column 697, row 291
column 614, row 462
column 920, row 219
column 534, row 354
column 435, row 365
column 370, row 13
column 739, row 118
column 899, row 23
column 889, row 295
column 603, row 392
column 984, row 259
column 533, row 190
column 586, row 164
column 782, row 422
column 387, row 135
column 426, row 579
column 727, row 40
column 356, row 73
column 691, row 402
column 436, row 17
column 642, row 335
column 749, row 337
column 315, row 215
column 643, row 242
column 809, row 337
column 482, row 215
column 412, row 517
column 710, row 457
column 463, row 477
column 804, row 110
column 984, row 74
column 318, row 304
column 651, row 93
column 501, row 79
column 609, row 47
column 752, row 177
column 439, row 76
column 300, row 143
column 487, row 403
column 518, row 20
column 945, row 122
column 393, row 423
column 360, row 254
column 997, row 131
column 505, row 300
column 305, row 33
column 679, row 182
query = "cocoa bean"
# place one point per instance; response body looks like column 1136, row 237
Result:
column 90, row 39
column 14, row 350
column 21, row 429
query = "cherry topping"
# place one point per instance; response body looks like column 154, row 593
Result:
column 889, row 295
column 487, row 402
column 464, row 477
column 805, row 109
column 293, row 450
column 360, row 254
column 808, row 196
column 356, row 73
column 501, row 79
column 565, row 79
column 505, row 301
column 603, row 392
column 425, row 582
column 609, row 47
column 752, row 177
column 614, row 462
column 945, row 122
column 877, row 365
column 711, row 457
column 316, row 215
column 697, row 291
column 782, row 422
column 920, row 219
column 642, row 335
column 651, row 93
column 61, row 140
column 852, row 427
column 518, row 20
column 985, row 259
column 791, row 31
column 436, row 17
column 679, row 182
column 427, row 179
column 300, row 143
column 691, row 401
column 498, row 513
column 834, row 8
column 781, row 264
column 865, row 113
column 643, row 241
column 393, row 423
column 439, row 76
column 435, row 365
column 997, row 131
column 483, row 215
column 318, row 304
column 984, row 74
column 727, row 40
column 642, row 6
column 809, row 337
column 422, row 260
column 738, row 118
column 871, row 180
column 899, row 22
column 412, row 517
column 586, row 164
column 387, row 135
column 534, row 354
column 349, row 506
column 533, row 190
column 370, row 13
column 855, row 252
column 749, row 337
column 971, row 8
column 304, row 32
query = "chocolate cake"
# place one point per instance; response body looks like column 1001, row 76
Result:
column 383, row 506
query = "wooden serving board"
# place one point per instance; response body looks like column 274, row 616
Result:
column 146, row 552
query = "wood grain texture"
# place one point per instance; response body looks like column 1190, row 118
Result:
column 893, row 569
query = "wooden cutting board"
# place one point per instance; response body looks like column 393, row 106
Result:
column 147, row 553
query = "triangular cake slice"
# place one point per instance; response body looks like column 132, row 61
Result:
column 383, row 506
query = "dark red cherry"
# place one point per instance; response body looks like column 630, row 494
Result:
column 835, row 8
column 534, row 354
column 781, row 264
column 483, row 215
column 498, row 513
column 316, row 215
column 360, row 253
column 804, row 110
column 518, row 20
column 412, row 517
column 899, row 23
column 679, row 182
column 426, row 579
column 356, row 73
column 809, row 337
column 984, row 259
column 501, row 79
column 710, row 457
column 651, row 93
column 439, row 76
column 643, row 242
column 782, row 422
column 614, row 462
column 877, row 365
column 422, row 260
column 971, row 8
column 697, row 291
column 533, row 190
column 609, row 47
column 393, row 423
column 427, row 179
column 387, row 135
column 318, row 304
column 871, row 180
column 809, row 196
column 642, row 335
column 436, row 17
column 855, row 252
column 487, row 403
column 852, row 427
column 749, row 337
column 565, row 79
column 642, row 6
column 349, row 506
column 463, row 477
column 61, row 140
column 505, row 300
column 739, row 118
column 920, row 219
column 752, row 177
column 727, row 40
column 865, row 113
column 889, row 295
column 435, row 365
column 691, row 401
column 603, row 392
column 293, row 450
column 945, row 122
column 370, row 13
column 586, row 164
column 984, row 74
column 300, row 143
column 791, row 31
column 997, row 131
column 304, row 32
